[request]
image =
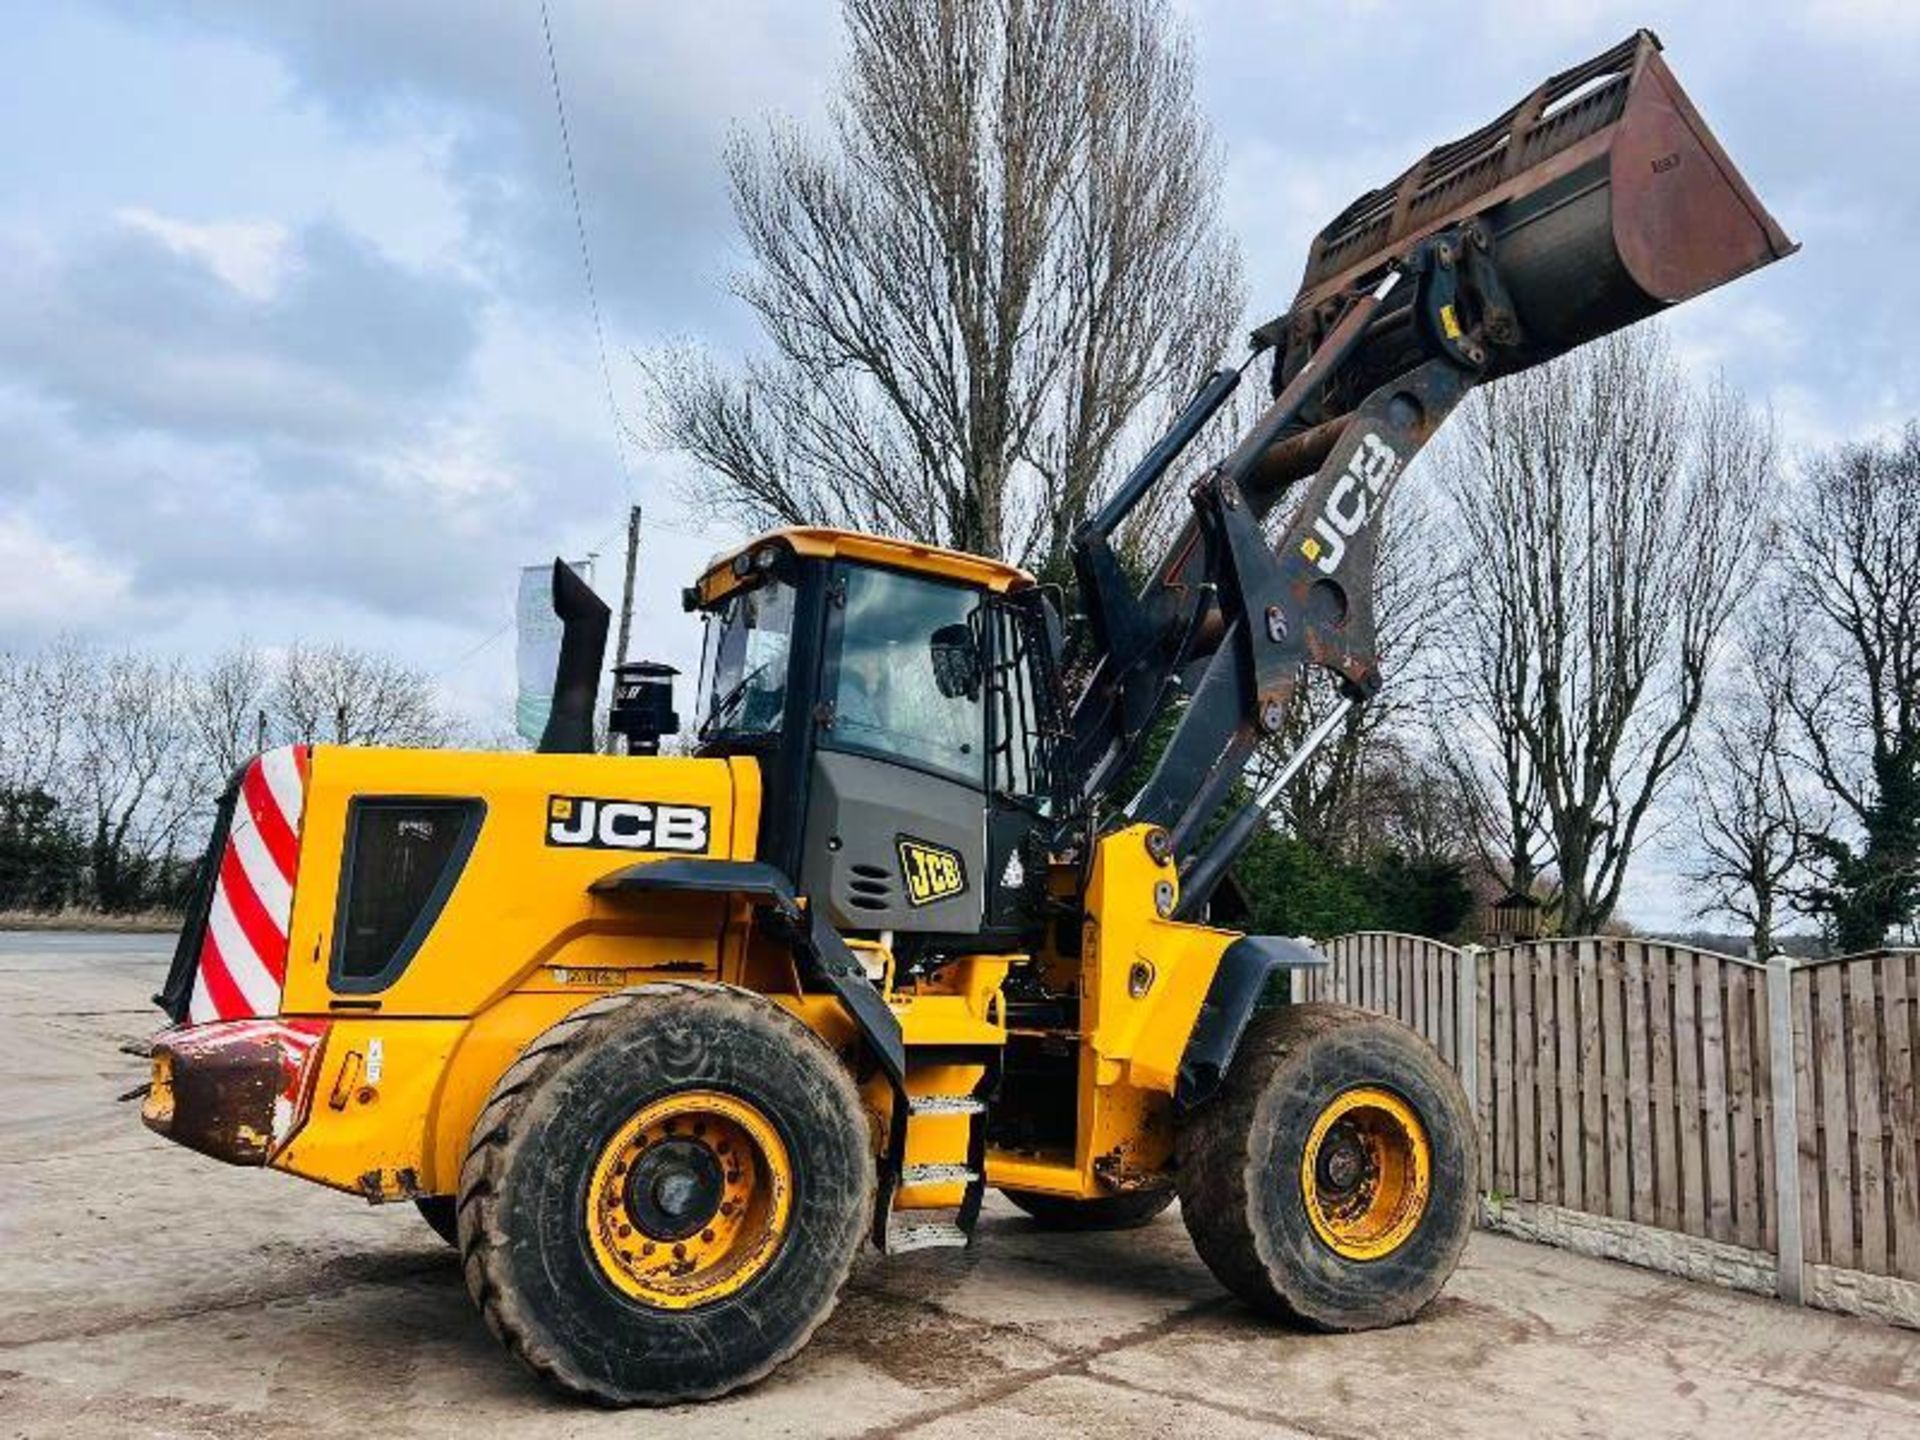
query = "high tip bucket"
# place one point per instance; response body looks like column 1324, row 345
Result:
column 1608, row 198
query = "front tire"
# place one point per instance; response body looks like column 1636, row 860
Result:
column 1331, row 1181
column 664, row 1194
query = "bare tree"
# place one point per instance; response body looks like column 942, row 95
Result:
column 1854, row 564
column 96, row 746
column 1608, row 514
column 1426, row 815
column 42, row 849
column 110, row 762
column 133, row 773
column 227, row 708
column 1007, row 261
column 1502, row 810
column 1750, row 821
column 336, row 694
column 38, row 697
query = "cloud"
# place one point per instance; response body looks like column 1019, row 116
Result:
column 410, row 531
column 1873, row 21
column 425, row 524
column 292, row 333
column 649, row 106
column 250, row 255
column 48, row 587
column 142, row 326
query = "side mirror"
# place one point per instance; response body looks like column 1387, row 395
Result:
column 956, row 661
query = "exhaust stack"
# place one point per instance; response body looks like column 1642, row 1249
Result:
column 576, row 677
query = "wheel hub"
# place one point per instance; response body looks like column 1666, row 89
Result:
column 1344, row 1162
column 674, row 1189
column 1365, row 1173
column 689, row 1200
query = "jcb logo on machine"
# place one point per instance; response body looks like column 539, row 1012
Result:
column 933, row 872
column 1368, row 473
column 582, row 822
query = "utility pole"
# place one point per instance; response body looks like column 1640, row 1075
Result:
column 626, row 606
column 626, row 594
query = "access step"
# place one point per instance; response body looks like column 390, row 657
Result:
column 916, row 1176
column 925, row 1235
column 945, row 1105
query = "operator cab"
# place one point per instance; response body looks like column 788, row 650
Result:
column 903, row 703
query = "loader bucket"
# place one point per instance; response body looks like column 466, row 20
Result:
column 1609, row 200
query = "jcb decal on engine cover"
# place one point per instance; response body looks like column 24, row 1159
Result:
column 1368, row 473
column 581, row 821
column 933, row 872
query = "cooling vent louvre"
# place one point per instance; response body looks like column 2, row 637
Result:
column 871, row 887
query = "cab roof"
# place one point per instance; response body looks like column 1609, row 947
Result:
column 728, row 569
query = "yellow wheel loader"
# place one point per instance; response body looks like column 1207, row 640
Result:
column 658, row 1042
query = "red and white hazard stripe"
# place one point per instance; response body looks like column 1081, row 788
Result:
column 243, row 959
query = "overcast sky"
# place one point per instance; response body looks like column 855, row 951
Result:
column 294, row 341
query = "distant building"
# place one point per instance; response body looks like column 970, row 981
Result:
column 1512, row 918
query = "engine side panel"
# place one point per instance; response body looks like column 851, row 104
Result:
column 518, row 942
column 892, row 848
column 519, row 914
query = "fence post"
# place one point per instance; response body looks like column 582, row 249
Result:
column 1466, row 1025
column 1786, row 1132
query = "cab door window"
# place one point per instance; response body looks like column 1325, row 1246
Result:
column 743, row 666
column 906, row 682
column 1020, row 714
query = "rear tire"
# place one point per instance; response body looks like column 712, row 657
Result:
column 1331, row 1180
column 1126, row 1211
column 664, row 1194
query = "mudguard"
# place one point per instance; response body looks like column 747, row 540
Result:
column 824, row 956
column 1238, row 983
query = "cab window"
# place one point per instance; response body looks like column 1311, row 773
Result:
column 1019, row 710
column 905, row 680
column 743, row 669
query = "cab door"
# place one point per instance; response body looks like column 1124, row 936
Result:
column 896, row 808
column 1023, row 728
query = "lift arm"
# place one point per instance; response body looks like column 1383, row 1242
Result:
column 1598, row 200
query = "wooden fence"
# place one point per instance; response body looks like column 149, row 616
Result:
column 1638, row 1081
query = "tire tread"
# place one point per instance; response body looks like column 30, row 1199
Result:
column 1219, row 1174
column 488, row 1277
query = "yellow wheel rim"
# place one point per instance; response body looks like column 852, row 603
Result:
column 689, row 1200
column 1366, row 1173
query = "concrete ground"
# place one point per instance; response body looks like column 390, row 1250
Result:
column 146, row 1291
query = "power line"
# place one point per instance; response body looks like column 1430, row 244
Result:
column 620, row 434
column 475, row 649
column 586, row 258
column 468, row 654
column 593, row 308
